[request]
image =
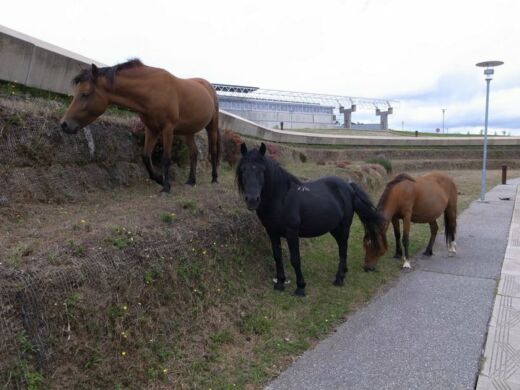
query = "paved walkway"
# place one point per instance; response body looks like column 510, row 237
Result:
column 501, row 369
column 428, row 331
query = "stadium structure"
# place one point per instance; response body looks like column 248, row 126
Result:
column 293, row 110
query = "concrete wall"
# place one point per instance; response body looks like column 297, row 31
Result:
column 242, row 126
column 34, row 63
column 272, row 119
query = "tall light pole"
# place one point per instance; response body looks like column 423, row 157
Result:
column 443, row 111
column 488, row 72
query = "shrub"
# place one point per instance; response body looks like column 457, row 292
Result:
column 231, row 142
column 381, row 161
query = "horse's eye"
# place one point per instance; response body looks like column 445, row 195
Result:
column 84, row 95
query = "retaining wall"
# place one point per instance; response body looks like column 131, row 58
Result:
column 34, row 63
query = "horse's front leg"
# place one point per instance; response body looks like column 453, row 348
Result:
column 167, row 158
column 293, row 243
column 397, row 235
column 407, row 221
column 277, row 254
column 150, row 139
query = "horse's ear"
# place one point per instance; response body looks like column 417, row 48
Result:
column 243, row 149
column 95, row 72
column 262, row 149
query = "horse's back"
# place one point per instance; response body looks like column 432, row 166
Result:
column 444, row 181
column 322, row 204
column 433, row 192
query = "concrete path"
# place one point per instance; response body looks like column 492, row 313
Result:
column 428, row 331
column 501, row 368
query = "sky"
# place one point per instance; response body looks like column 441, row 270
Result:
column 420, row 53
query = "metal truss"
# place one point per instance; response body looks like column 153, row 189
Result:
column 246, row 92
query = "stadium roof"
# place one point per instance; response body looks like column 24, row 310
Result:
column 247, row 92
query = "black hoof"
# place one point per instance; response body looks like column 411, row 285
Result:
column 338, row 282
column 369, row 269
column 428, row 253
column 397, row 256
column 190, row 182
column 279, row 286
column 214, row 181
column 299, row 292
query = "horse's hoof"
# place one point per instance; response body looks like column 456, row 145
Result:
column 279, row 286
column 397, row 256
column 299, row 292
column 165, row 194
column 338, row 282
column 369, row 269
column 214, row 181
column 428, row 253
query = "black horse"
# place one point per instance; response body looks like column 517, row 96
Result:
column 292, row 209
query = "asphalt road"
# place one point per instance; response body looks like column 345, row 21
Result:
column 428, row 331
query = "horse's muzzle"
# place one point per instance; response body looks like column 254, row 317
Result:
column 69, row 129
column 252, row 203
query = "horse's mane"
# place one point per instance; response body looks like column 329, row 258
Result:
column 109, row 71
column 396, row 180
column 275, row 176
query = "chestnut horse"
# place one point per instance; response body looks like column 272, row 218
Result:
column 167, row 105
column 420, row 200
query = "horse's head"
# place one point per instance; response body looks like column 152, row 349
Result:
column 375, row 247
column 89, row 101
column 251, row 175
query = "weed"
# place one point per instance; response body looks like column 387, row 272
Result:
column 77, row 250
column 222, row 337
column 385, row 163
column 52, row 258
column 189, row 204
column 121, row 238
column 255, row 324
column 16, row 257
column 150, row 276
column 189, row 271
column 167, row 218
column 25, row 345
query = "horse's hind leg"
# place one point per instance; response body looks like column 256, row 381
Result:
column 214, row 146
column 194, row 152
column 341, row 234
column 167, row 158
column 434, row 228
column 397, row 235
column 150, row 139
column 293, row 243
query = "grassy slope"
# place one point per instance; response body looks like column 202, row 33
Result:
column 199, row 313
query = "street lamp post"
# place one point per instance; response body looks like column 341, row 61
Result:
column 488, row 72
column 443, row 111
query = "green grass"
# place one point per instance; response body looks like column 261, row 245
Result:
column 283, row 325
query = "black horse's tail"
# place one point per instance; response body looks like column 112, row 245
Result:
column 370, row 217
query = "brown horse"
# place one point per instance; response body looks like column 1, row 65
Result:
column 420, row 200
column 166, row 104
